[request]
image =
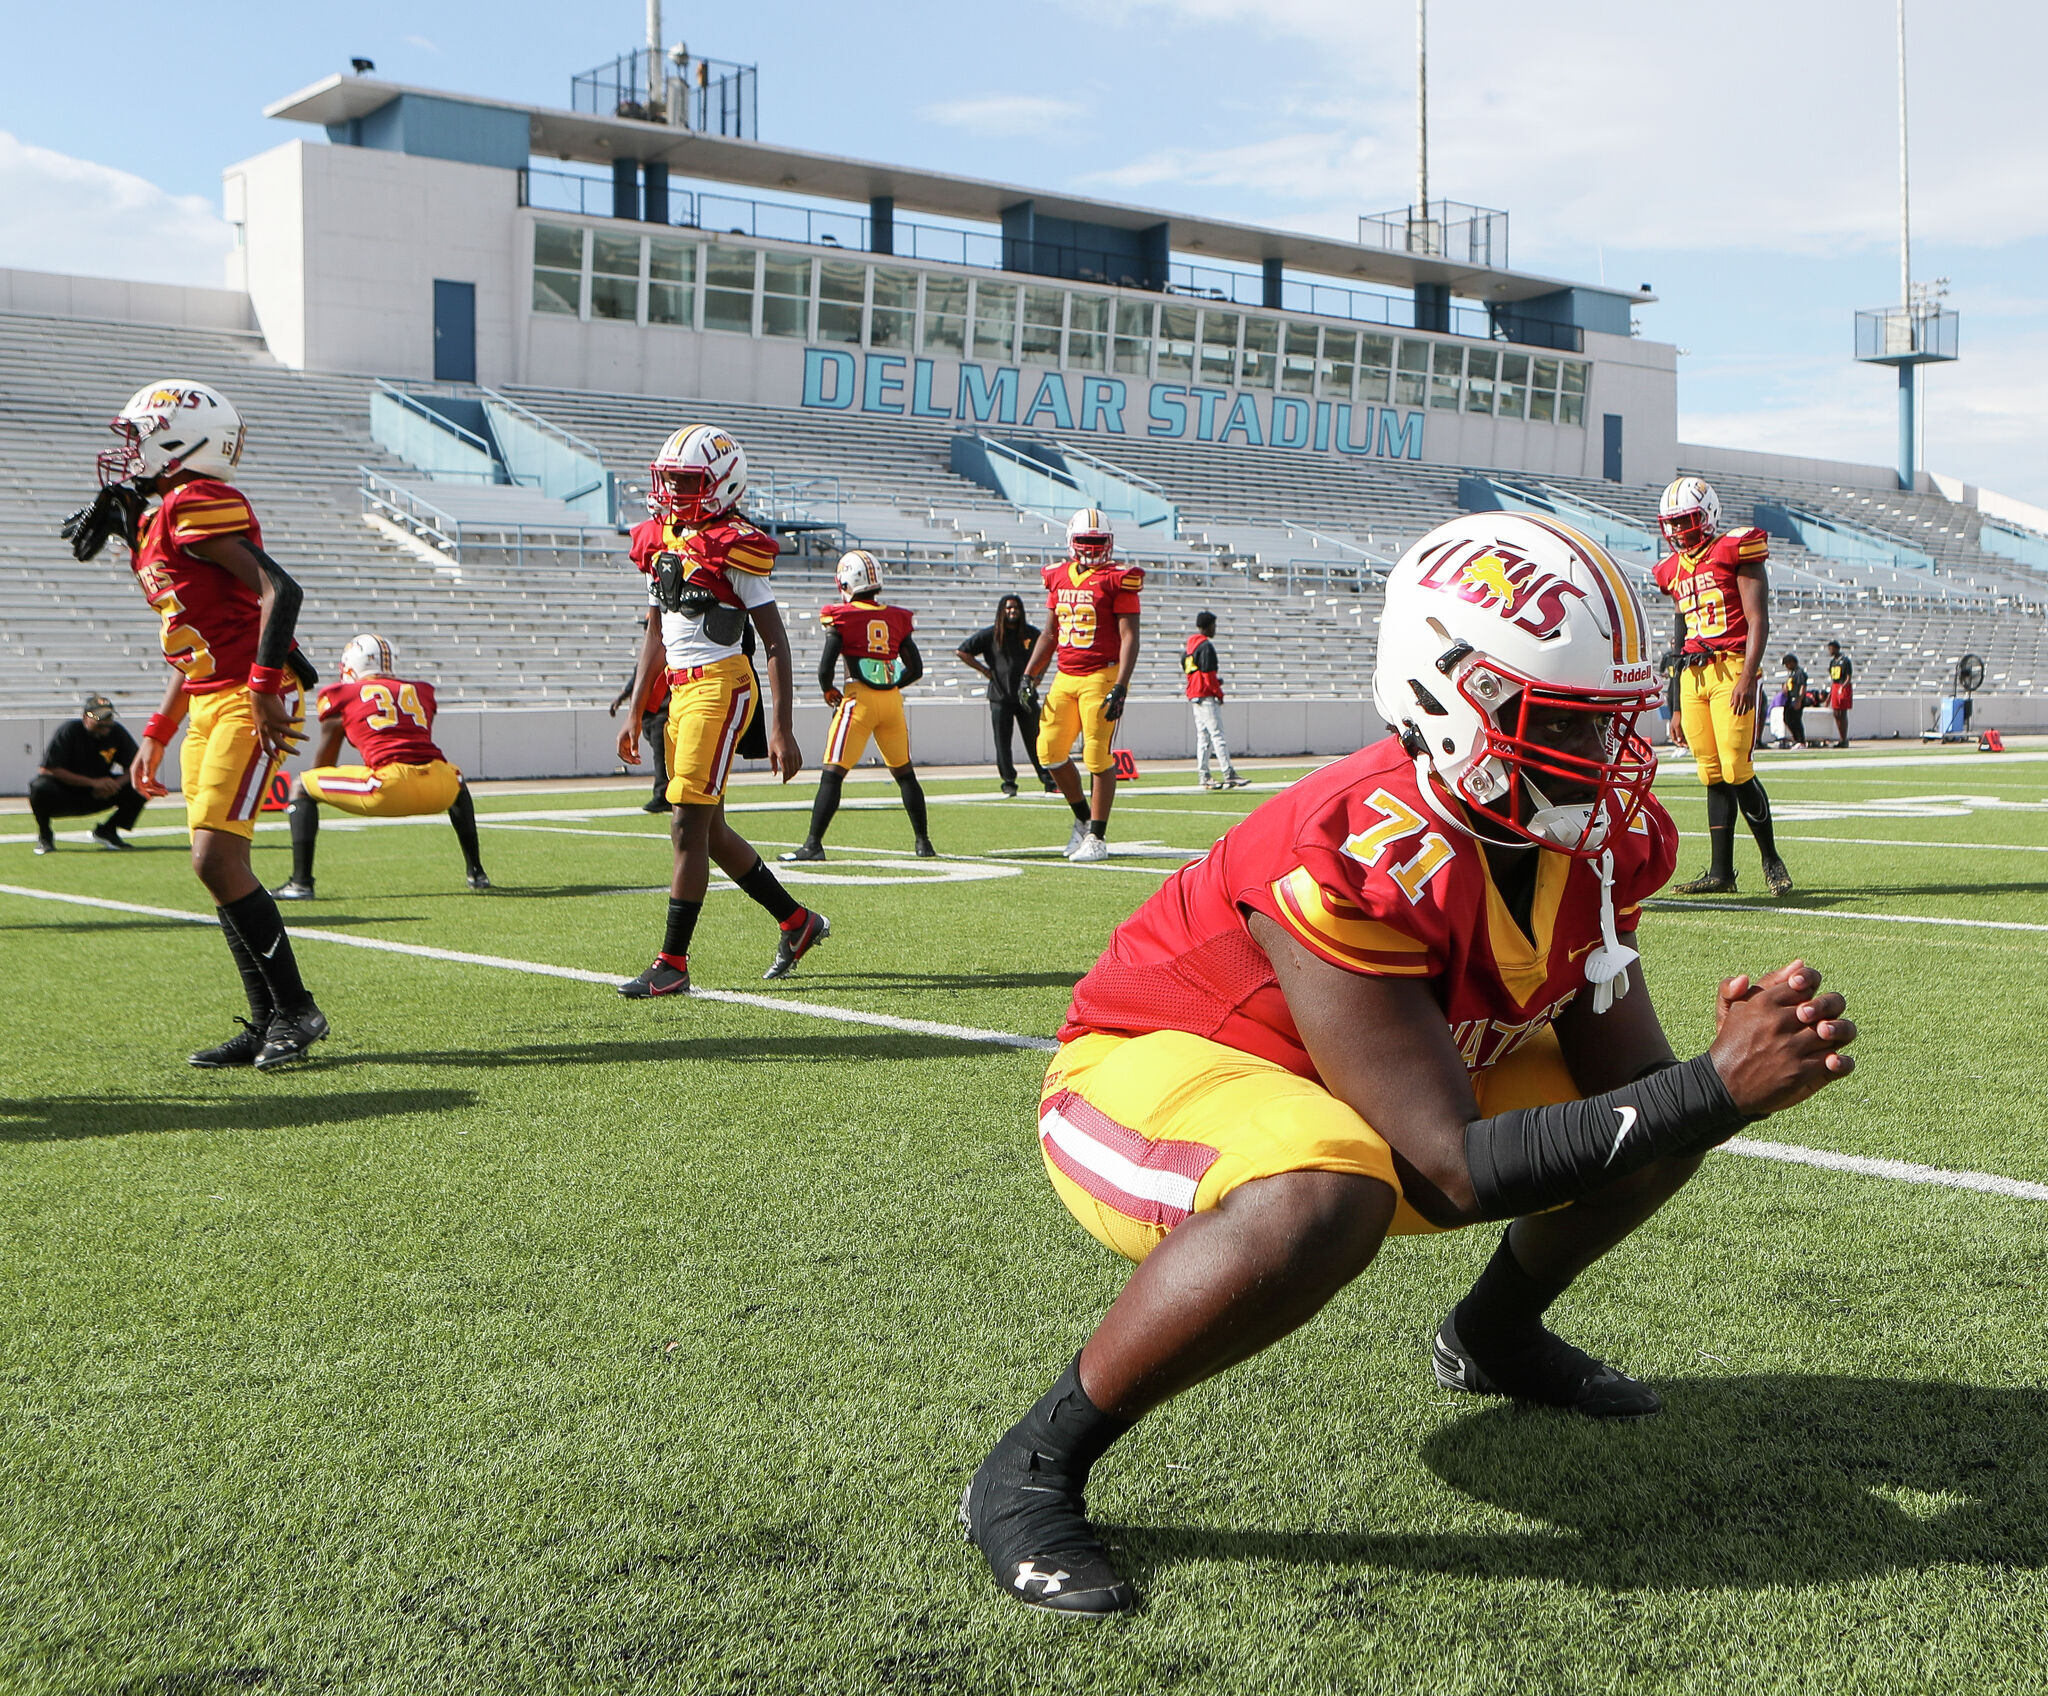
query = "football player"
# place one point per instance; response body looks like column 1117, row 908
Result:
column 390, row 720
column 707, row 579
column 881, row 662
column 1094, row 626
column 1402, row 996
column 1723, row 594
column 228, row 612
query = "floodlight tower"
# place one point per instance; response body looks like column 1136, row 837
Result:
column 1919, row 331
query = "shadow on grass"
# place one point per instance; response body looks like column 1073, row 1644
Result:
column 196, row 1681
column 70, row 926
column 57, row 1118
column 851, row 1049
column 1742, row 1483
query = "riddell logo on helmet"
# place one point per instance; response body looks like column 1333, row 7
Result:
column 1510, row 583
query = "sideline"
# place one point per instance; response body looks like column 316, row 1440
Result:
column 1896, row 1171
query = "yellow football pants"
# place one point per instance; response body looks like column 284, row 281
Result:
column 865, row 712
column 1140, row 1132
column 1719, row 736
column 1074, row 708
column 389, row 792
column 221, row 765
column 707, row 716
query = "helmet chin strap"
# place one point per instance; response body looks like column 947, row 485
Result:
column 1607, row 964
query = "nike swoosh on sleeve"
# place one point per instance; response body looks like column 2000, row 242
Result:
column 1628, row 1123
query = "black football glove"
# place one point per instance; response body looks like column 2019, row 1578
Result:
column 1027, row 696
column 1113, row 703
column 114, row 511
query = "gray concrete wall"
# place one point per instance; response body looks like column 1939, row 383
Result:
column 578, row 742
column 51, row 295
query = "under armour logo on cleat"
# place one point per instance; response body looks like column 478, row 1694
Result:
column 1628, row 1123
column 1028, row 1573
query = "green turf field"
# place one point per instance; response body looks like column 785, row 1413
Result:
column 532, row 1341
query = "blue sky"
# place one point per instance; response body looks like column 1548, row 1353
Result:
column 1741, row 158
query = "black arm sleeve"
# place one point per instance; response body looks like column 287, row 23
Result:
column 1537, row 1157
column 828, row 664
column 274, row 643
column 913, row 663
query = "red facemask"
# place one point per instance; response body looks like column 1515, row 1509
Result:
column 1686, row 531
column 685, row 496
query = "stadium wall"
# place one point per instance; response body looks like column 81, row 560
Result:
column 49, row 294
column 579, row 741
column 1741, row 462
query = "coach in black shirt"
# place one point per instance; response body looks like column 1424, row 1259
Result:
column 998, row 651
column 85, row 770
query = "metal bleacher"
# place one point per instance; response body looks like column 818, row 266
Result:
column 1286, row 547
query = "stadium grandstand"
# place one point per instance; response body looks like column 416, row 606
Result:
column 451, row 417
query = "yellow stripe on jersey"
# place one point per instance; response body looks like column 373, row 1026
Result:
column 1342, row 933
column 753, row 560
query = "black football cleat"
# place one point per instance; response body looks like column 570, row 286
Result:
column 1009, row 791
column 476, row 879
column 922, row 848
column 45, row 844
column 657, row 804
column 793, row 945
column 108, row 837
column 240, row 1049
column 293, row 889
column 1032, row 1528
column 1707, row 883
column 291, row 1037
column 663, row 977
column 811, row 851
column 1776, row 878
column 1550, row 1371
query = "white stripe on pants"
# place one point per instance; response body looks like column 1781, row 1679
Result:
column 1209, row 735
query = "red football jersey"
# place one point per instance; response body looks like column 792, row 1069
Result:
column 1703, row 585
column 387, row 719
column 1087, row 605
column 725, row 544
column 870, row 637
column 211, row 618
column 1359, row 870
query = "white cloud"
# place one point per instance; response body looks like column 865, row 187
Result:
column 70, row 215
column 1004, row 114
column 420, row 42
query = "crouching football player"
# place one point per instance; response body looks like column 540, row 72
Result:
column 1402, row 996
column 390, row 720
column 881, row 662
column 228, row 612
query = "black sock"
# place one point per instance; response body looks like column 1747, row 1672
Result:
column 1756, row 813
column 463, row 817
column 261, row 928
column 1506, row 1305
column 682, row 925
column 303, row 815
column 1098, row 827
column 1721, row 828
column 42, row 828
column 766, row 888
column 1065, row 1433
column 253, row 985
column 1080, row 811
column 830, row 781
column 913, row 801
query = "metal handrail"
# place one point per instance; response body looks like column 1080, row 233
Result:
column 546, row 425
column 1070, row 451
column 406, row 399
column 405, row 507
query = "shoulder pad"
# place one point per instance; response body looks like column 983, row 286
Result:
column 1133, row 579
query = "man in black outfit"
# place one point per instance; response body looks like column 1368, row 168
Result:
column 85, row 770
column 998, row 651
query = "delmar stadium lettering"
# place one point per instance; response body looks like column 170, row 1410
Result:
column 836, row 380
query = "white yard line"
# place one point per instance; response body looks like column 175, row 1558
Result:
column 1897, row 1171
column 1664, row 902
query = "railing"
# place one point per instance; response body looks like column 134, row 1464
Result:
column 428, row 440
column 1906, row 335
column 711, row 96
column 411, row 512
column 1440, row 229
column 806, row 226
column 558, row 463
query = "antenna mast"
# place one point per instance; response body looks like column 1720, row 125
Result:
column 1422, row 108
column 657, row 76
column 1905, row 215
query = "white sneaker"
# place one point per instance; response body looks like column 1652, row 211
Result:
column 1092, row 849
column 1075, row 838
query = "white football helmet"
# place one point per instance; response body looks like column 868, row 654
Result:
column 1089, row 537
column 1496, row 625
column 860, row 573
column 699, row 474
column 170, row 426
column 368, row 655
column 1689, row 513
